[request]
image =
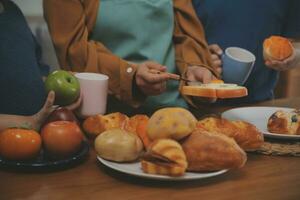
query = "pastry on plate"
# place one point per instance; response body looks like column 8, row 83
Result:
column 206, row 151
column 284, row 122
column 118, row 145
column 165, row 157
column 97, row 124
column 173, row 123
column 245, row 134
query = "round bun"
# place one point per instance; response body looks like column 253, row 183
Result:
column 173, row 123
column 277, row 48
column 118, row 145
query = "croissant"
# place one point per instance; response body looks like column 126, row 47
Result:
column 244, row 133
column 166, row 157
column 206, row 151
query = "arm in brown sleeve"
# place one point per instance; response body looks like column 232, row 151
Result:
column 189, row 39
column 70, row 23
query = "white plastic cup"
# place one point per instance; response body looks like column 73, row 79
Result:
column 94, row 88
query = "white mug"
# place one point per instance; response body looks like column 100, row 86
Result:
column 94, row 88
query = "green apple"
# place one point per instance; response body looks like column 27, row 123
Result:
column 65, row 85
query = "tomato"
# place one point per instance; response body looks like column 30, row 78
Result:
column 61, row 138
column 19, row 144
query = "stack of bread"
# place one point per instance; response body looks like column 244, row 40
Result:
column 172, row 141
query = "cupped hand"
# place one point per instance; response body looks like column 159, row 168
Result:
column 291, row 62
column 148, row 82
column 41, row 116
column 216, row 54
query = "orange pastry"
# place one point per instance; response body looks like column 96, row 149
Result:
column 138, row 124
column 97, row 124
column 277, row 48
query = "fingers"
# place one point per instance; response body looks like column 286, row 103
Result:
column 215, row 49
column 76, row 104
column 49, row 101
column 154, row 65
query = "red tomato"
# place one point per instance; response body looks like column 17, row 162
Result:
column 62, row 138
column 19, row 144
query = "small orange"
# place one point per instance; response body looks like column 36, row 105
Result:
column 19, row 144
column 217, row 81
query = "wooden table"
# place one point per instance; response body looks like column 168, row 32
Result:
column 263, row 177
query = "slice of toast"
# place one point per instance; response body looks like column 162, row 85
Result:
column 215, row 90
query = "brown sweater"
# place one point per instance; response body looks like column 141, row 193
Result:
column 71, row 21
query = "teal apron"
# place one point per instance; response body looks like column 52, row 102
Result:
column 137, row 31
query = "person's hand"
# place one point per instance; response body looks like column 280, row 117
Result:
column 203, row 75
column 200, row 74
column 289, row 63
column 216, row 53
column 150, row 83
column 39, row 118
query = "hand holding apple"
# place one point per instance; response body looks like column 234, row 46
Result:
column 65, row 85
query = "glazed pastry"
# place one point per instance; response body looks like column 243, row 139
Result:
column 283, row 122
column 245, row 134
column 173, row 123
column 165, row 157
column 97, row 124
column 206, row 151
column 118, row 145
column 277, row 48
column 138, row 124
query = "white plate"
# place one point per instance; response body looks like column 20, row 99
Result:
column 259, row 117
column 135, row 170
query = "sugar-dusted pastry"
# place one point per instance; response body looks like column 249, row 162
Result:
column 206, row 151
column 244, row 133
column 277, row 48
column 284, row 122
column 97, row 124
column 174, row 123
column 118, row 145
column 165, row 157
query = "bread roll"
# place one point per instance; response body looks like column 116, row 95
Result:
column 277, row 48
column 174, row 123
column 166, row 157
column 283, row 122
column 245, row 134
column 207, row 151
column 118, row 145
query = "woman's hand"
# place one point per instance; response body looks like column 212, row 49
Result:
column 291, row 62
column 151, row 83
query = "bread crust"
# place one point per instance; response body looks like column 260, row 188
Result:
column 222, row 91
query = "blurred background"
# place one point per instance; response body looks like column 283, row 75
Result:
column 287, row 86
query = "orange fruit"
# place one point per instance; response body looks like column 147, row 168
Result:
column 19, row 144
column 277, row 48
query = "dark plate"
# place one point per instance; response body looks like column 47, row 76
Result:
column 44, row 162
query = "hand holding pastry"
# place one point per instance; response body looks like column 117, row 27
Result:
column 280, row 54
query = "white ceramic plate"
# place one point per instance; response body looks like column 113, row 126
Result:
column 259, row 117
column 135, row 170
